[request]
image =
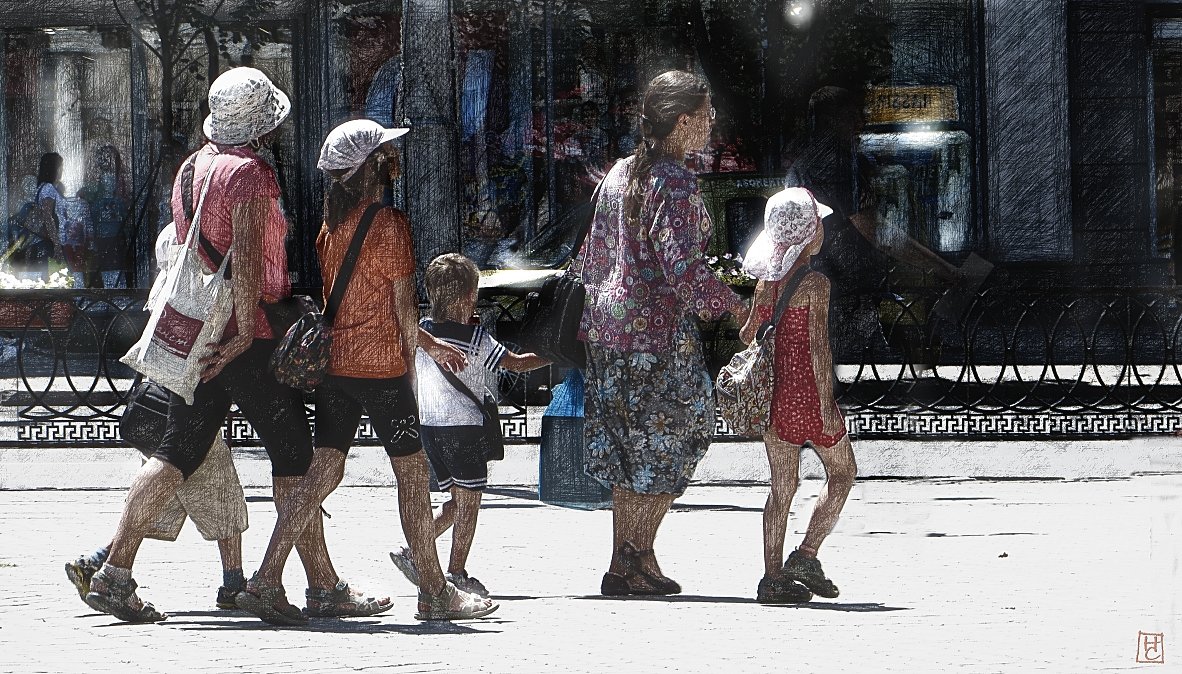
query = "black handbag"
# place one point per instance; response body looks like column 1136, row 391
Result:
column 301, row 358
column 551, row 325
column 146, row 415
column 552, row 315
column 491, row 436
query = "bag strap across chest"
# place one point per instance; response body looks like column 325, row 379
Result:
column 211, row 252
column 341, row 282
column 786, row 293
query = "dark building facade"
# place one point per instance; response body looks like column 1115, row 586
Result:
column 1052, row 152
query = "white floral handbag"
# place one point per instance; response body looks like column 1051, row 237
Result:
column 743, row 389
column 188, row 311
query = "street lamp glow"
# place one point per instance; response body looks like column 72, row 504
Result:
column 798, row 13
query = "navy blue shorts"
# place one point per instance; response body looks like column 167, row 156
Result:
column 457, row 455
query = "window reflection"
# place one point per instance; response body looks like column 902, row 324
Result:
column 67, row 94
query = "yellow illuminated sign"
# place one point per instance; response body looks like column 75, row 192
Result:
column 911, row 104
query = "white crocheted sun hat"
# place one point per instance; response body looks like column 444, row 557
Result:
column 791, row 220
column 350, row 144
column 244, row 105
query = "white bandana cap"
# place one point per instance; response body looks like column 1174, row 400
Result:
column 791, row 220
column 351, row 143
column 243, row 105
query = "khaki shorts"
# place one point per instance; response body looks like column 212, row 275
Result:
column 212, row 497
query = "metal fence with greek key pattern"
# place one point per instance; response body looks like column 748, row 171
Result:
column 1051, row 363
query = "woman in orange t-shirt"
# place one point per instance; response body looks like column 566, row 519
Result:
column 370, row 370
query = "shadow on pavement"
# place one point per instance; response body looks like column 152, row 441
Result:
column 845, row 608
column 702, row 599
column 695, row 507
column 672, row 599
column 524, row 494
column 326, row 625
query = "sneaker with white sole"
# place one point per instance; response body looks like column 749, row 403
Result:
column 406, row 564
column 468, row 584
column 808, row 572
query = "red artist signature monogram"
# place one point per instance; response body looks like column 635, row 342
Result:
column 1151, row 647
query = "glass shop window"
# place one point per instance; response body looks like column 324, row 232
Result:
column 66, row 116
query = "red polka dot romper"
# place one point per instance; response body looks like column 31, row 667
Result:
column 796, row 403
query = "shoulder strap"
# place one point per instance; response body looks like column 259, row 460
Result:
column 341, row 283
column 786, row 294
column 460, row 386
column 187, row 172
column 582, row 237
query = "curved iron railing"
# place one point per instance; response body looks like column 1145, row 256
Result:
column 1009, row 363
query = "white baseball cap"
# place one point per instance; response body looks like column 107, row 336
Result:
column 244, row 105
column 350, row 144
column 791, row 220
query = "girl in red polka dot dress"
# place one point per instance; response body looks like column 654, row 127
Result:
column 804, row 411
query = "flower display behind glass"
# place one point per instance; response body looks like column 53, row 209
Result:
column 729, row 270
column 61, row 278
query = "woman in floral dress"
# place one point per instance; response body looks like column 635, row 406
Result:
column 649, row 400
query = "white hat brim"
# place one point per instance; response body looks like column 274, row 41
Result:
column 390, row 134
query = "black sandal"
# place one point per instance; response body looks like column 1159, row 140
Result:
column 658, row 584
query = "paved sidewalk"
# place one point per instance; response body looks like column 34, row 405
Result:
column 936, row 575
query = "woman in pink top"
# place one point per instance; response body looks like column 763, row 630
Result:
column 649, row 399
column 241, row 218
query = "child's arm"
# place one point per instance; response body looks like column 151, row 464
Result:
column 816, row 287
column 522, row 362
column 451, row 358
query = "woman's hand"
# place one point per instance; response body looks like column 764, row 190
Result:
column 222, row 354
column 448, row 356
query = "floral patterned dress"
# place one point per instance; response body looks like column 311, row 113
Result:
column 649, row 399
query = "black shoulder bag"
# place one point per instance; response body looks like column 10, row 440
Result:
column 146, row 415
column 301, row 357
column 551, row 325
column 494, row 441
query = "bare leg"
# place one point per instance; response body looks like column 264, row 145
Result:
column 840, row 471
column 784, row 459
column 301, row 524
column 447, row 515
column 153, row 487
column 467, row 511
column 230, row 548
column 414, row 509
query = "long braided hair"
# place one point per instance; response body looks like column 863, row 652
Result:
column 669, row 95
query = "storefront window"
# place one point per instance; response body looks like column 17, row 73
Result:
column 67, row 117
column 547, row 97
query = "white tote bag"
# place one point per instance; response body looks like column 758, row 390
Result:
column 189, row 311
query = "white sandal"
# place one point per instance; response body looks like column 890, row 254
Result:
column 439, row 607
